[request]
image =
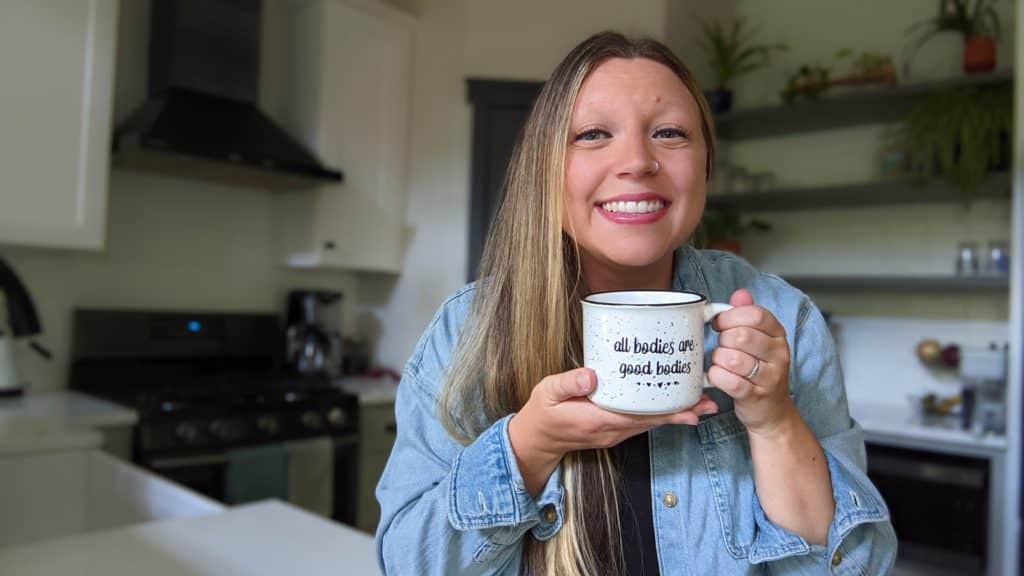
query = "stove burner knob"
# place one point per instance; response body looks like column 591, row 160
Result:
column 312, row 420
column 267, row 424
column 337, row 417
column 223, row 430
column 187, row 432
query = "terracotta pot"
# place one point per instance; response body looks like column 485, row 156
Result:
column 734, row 246
column 979, row 54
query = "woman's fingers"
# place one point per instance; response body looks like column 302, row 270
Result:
column 749, row 340
column 558, row 388
column 636, row 423
column 742, row 365
column 737, row 387
column 753, row 316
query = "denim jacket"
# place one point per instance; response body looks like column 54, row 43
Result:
column 453, row 509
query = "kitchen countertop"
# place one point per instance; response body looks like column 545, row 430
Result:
column 66, row 406
column 896, row 424
column 57, row 421
column 369, row 390
column 265, row 538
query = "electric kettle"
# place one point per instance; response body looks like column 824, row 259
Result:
column 22, row 321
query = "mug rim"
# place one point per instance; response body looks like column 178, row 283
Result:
column 586, row 299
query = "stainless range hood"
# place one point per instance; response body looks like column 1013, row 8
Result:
column 201, row 119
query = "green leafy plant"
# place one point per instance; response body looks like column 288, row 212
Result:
column 965, row 17
column 812, row 80
column 960, row 134
column 726, row 226
column 732, row 51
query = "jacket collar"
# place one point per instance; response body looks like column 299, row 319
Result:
column 688, row 273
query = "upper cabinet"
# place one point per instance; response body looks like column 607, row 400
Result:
column 346, row 94
column 57, row 65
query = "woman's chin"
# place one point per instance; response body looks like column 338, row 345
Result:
column 637, row 258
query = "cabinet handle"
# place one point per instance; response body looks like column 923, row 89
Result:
column 329, row 245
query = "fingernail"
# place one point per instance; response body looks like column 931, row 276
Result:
column 583, row 382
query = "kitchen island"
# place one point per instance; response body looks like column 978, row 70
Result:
column 62, row 420
column 264, row 538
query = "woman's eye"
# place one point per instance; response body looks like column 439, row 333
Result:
column 592, row 134
column 671, row 133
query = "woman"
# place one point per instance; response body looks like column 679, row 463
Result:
column 503, row 466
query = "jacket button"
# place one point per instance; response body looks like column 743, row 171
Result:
column 669, row 499
column 549, row 514
column 837, row 557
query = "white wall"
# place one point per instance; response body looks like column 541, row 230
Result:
column 455, row 40
column 526, row 40
column 897, row 240
column 171, row 244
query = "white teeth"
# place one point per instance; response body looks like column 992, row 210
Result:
column 632, row 207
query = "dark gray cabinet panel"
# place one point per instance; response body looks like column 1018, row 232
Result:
column 500, row 109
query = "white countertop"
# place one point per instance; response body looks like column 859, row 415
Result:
column 57, row 421
column 369, row 390
column 265, row 538
column 898, row 424
column 66, row 406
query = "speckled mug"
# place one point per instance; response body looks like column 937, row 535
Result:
column 647, row 349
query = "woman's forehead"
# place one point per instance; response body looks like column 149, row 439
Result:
column 637, row 82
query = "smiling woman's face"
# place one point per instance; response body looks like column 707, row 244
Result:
column 635, row 167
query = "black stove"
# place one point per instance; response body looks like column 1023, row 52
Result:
column 207, row 383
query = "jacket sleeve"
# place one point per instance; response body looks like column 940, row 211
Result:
column 861, row 540
column 453, row 509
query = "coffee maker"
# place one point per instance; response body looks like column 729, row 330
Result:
column 312, row 334
column 983, row 375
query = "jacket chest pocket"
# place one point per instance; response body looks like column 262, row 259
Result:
column 726, row 451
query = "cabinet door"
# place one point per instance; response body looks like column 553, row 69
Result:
column 366, row 94
column 57, row 65
column 376, row 438
column 348, row 97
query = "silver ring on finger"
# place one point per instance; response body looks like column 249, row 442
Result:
column 755, row 369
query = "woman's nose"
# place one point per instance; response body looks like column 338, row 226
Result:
column 637, row 161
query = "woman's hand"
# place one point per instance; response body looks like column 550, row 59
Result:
column 791, row 475
column 559, row 418
column 751, row 364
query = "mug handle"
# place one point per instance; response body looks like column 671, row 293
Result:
column 710, row 311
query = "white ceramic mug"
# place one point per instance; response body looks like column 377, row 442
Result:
column 647, row 349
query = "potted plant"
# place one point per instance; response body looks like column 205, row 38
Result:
column 812, row 80
column 976, row 21
column 732, row 52
column 961, row 134
column 723, row 229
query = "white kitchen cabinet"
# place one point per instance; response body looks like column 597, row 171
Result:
column 57, row 65
column 346, row 95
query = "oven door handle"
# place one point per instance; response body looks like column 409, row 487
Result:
column 185, row 462
column 218, row 459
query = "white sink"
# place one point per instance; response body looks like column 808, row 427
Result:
column 65, row 492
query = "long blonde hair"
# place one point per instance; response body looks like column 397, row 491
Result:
column 526, row 323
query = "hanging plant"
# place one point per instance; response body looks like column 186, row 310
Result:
column 960, row 134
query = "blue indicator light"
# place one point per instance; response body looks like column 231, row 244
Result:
column 194, row 326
